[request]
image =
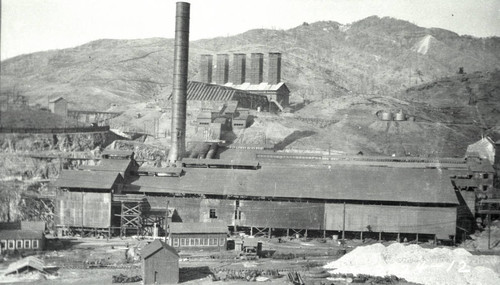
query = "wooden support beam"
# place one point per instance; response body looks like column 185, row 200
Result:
column 379, row 236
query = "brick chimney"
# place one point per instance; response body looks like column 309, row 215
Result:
column 221, row 71
column 274, row 74
column 206, row 62
column 256, row 68
column 239, row 67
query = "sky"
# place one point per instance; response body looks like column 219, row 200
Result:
column 35, row 25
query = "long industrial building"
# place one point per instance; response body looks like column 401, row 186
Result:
column 371, row 197
column 309, row 194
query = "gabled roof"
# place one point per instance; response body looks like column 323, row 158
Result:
column 30, row 261
column 54, row 100
column 155, row 246
column 198, row 228
column 264, row 86
column 21, row 234
column 87, row 179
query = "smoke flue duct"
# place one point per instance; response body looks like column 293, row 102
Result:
column 179, row 93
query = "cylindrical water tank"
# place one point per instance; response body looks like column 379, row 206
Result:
column 386, row 116
column 400, row 117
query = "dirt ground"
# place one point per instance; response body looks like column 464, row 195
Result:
column 69, row 260
column 96, row 261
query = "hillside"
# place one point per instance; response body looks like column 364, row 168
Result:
column 320, row 60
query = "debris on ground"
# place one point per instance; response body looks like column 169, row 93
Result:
column 122, row 278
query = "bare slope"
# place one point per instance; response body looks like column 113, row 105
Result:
column 320, row 60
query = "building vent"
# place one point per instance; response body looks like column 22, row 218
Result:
column 256, row 68
column 274, row 74
column 206, row 62
column 221, row 71
column 239, row 67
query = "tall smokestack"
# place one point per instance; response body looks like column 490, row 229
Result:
column 206, row 68
column 179, row 93
column 274, row 74
column 239, row 67
column 256, row 68
column 221, row 71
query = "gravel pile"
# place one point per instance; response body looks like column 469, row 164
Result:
column 437, row 266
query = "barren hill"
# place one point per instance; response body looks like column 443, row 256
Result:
column 320, row 60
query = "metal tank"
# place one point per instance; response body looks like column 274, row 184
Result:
column 386, row 116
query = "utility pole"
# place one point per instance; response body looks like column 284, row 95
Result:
column 166, row 223
column 343, row 227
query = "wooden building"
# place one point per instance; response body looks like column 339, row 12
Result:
column 21, row 240
column 355, row 198
column 160, row 264
column 59, row 106
column 199, row 235
column 84, row 200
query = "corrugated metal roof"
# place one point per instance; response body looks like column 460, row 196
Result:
column 86, row 179
column 199, row 91
column 337, row 182
column 264, row 86
column 198, row 228
column 21, row 234
column 30, row 261
column 156, row 245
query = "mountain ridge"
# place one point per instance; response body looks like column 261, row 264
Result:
column 320, row 60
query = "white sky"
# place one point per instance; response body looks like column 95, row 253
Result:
column 34, row 25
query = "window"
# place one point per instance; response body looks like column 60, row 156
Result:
column 34, row 243
column 485, row 187
column 221, row 242
column 3, row 244
column 237, row 203
column 485, row 175
column 191, row 241
column 212, row 241
column 204, row 241
column 197, row 242
column 213, row 214
column 27, row 244
column 183, row 241
column 12, row 244
column 19, row 244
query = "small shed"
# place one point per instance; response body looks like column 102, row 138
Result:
column 160, row 264
column 59, row 106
